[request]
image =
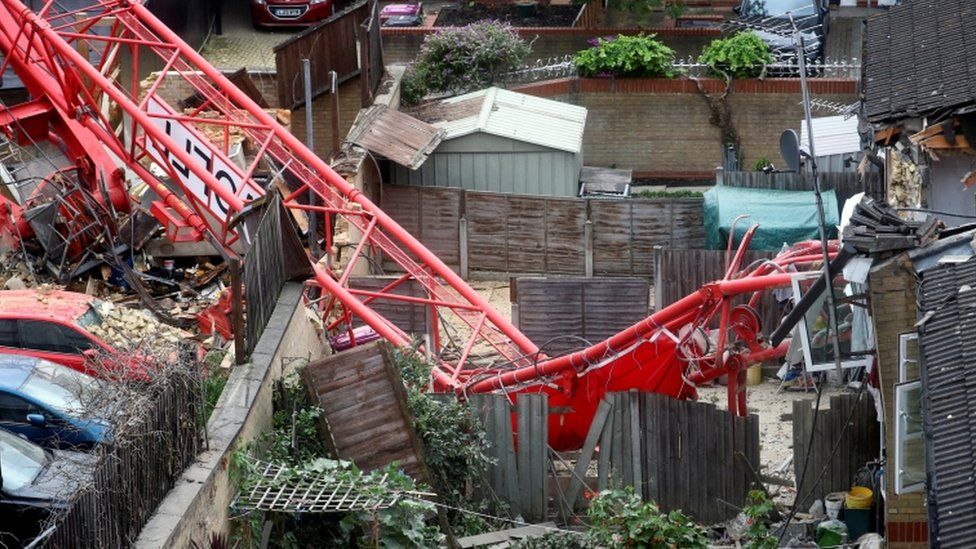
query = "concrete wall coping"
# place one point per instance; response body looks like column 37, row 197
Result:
column 223, row 428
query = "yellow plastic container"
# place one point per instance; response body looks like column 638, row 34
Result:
column 859, row 498
column 754, row 374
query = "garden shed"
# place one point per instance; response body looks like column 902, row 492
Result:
column 499, row 140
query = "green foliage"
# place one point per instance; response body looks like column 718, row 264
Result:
column 213, row 386
column 462, row 59
column 642, row 9
column 669, row 194
column 761, row 164
column 454, row 444
column 294, row 442
column 621, row 519
column 758, row 508
column 743, row 55
column 634, row 56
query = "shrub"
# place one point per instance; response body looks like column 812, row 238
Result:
column 639, row 55
column 463, row 59
column 743, row 55
column 621, row 519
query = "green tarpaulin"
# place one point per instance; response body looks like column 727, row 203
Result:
column 783, row 216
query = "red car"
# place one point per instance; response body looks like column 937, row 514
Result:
column 290, row 13
column 52, row 325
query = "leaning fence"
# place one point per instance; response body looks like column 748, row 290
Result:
column 682, row 455
column 132, row 475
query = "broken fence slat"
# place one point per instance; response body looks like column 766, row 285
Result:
column 586, row 455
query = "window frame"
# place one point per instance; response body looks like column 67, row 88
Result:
column 801, row 330
column 901, row 389
column 903, row 340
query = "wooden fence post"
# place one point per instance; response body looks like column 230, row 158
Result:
column 658, row 278
column 588, row 247
column 463, row 245
column 533, row 455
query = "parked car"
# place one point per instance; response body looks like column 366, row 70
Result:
column 34, row 483
column 51, row 404
column 770, row 20
column 290, row 13
column 55, row 326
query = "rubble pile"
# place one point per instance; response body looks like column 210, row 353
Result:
column 125, row 328
column 905, row 184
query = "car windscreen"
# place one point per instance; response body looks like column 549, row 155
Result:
column 776, row 8
column 20, row 461
column 59, row 387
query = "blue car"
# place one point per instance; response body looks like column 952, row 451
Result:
column 50, row 404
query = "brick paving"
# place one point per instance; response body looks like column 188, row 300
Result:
column 241, row 45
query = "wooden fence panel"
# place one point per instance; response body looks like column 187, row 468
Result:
column 556, row 312
column 533, row 455
column 564, row 237
column 495, row 414
column 855, row 445
column 409, row 317
column 331, row 45
column 682, row 272
column 518, row 234
column 365, row 415
column 612, row 237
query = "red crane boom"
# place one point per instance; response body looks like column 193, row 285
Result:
column 204, row 194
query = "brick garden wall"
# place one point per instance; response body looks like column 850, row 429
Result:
column 893, row 311
column 402, row 45
column 349, row 105
column 661, row 127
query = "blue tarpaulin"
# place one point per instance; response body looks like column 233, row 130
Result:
column 783, row 216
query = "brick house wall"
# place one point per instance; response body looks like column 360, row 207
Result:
column 349, row 105
column 894, row 312
column 660, row 128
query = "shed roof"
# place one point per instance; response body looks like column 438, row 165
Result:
column 395, row 135
column 832, row 135
column 511, row 115
column 921, row 57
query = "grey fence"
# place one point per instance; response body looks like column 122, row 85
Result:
column 371, row 64
column 566, row 314
column 331, row 45
column 679, row 273
column 845, row 184
column 134, row 474
column 847, row 436
column 482, row 232
column 275, row 256
column 682, row 455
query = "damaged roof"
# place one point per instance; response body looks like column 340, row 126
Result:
column 395, row 135
column 921, row 58
column 508, row 114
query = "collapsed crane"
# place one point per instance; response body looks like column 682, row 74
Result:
column 118, row 127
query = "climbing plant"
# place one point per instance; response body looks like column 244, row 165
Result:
column 635, row 56
column 742, row 55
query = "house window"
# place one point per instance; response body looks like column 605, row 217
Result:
column 909, row 441
column 908, row 357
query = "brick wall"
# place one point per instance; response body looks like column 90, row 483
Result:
column 661, row 128
column 893, row 310
column 176, row 88
column 402, row 45
column 349, row 105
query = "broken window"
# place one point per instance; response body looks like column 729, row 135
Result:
column 909, row 443
column 814, row 332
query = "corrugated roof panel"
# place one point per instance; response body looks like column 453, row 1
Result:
column 511, row 115
column 948, row 371
column 832, row 135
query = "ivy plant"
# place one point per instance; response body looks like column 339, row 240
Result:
column 640, row 55
column 621, row 519
column 462, row 59
column 757, row 510
column 742, row 55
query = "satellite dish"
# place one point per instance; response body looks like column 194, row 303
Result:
column 789, row 148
